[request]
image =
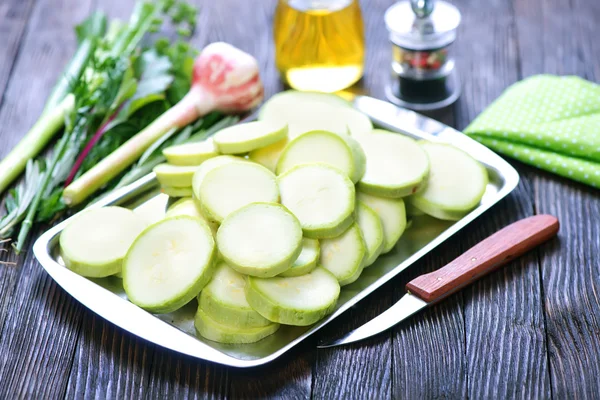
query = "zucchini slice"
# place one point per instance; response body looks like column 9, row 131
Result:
column 229, row 187
column 191, row 153
column 242, row 138
column 210, row 329
column 224, row 300
column 320, row 196
column 456, row 184
column 339, row 151
column 372, row 232
column 260, row 239
column 411, row 210
column 344, row 255
column 175, row 175
column 396, row 165
column 94, row 244
column 176, row 191
column 303, row 115
column 187, row 206
column 307, row 260
column 207, row 166
column 283, row 101
column 299, row 300
column 392, row 215
column 168, row 264
column 268, row 156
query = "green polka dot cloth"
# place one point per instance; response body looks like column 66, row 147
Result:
column 549, row 122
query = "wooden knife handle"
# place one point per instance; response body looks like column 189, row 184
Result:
column 489, row 254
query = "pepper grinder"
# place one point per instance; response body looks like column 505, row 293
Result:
column 423, row 70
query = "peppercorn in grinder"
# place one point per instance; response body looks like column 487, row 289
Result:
column 423, row 72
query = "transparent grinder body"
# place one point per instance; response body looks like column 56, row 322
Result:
column 421, row 33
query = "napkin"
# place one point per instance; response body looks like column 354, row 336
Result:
column 550, row 122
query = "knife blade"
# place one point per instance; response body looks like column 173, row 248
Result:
column 483, row 258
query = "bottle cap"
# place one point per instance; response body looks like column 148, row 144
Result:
column 422, row 24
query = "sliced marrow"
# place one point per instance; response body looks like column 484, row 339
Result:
column 229, row 187
column 283, row 101
column 392, row 215
column 268, row 156
column 224, row 300
column 260, row 239
column 339, row 151
column 191, row 153
column 320, row 196
column 396, row 165
column 305, row 116
column 242, row 138
column 95, row 243
column 176, row 191
column 344, row 255
column 210, row 329
column 307, row 260
column 187, row 206
column 175, row 175
column 168, row 264
column 372, row 232
column 299, row 300
column 207, row 166
column 456, row 184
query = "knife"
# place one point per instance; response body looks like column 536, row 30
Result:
column 486, row 256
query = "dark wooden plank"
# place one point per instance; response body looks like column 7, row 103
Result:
column 108, row 363
column 38, row 319
column 288, row 377
column 14, row 16
column 428, row 349
column 361, row 370
column 562, row 35
column 39, row 334
column 505, row 331
column 504, row 327
column 174, row 376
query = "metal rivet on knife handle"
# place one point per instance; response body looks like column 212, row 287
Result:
column 489, row 254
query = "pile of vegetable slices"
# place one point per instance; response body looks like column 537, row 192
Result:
column 275, row 216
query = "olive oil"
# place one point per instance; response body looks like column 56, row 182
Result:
column 319, row 44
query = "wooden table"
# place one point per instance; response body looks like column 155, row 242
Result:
column 531, row 330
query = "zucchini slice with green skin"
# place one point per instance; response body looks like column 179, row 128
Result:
column 285, row 100
column 187, row 206
column 260, row 239
column 320, row 196
column 396, row 165
column 307, row 260
column 456, row 184
column 224, row 300
column 392, row 215
column 372, row 232
column 229, row 187
column 242, row 138
column 340, row 151
column 344, row 255
column 95, row 243
column 299, row 300
column 207, row 166
column 176, row 191
column 411, row 210
column 268, row 156
column 210, row 329
column 304, row 115
column 169, row 263
column 175, row 175
column 191, row 153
